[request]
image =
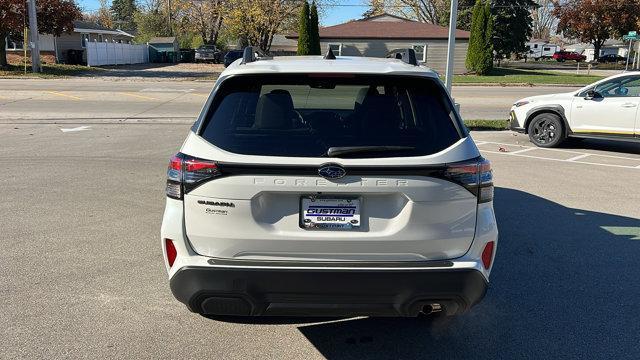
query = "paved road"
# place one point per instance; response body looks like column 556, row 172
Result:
column 494, row 102
column 97, row 100
column 81, row 272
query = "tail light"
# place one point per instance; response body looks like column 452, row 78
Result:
column 171, row 251
column 186, row 172
column 487, row 254
column 476, row 176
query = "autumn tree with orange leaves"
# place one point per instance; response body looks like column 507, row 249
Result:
column 596, row 21
column 54, row 17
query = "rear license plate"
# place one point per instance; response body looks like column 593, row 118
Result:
column 330, row 213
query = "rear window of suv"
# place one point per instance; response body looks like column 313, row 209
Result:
column 306, row 115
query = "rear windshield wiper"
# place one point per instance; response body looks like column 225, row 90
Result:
column 344, row 150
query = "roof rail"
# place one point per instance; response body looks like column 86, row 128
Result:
column 250, row 55
column 406, row 55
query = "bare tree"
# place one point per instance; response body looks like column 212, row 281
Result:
column 430, row 11
column 204, row 17
column 255, row 22
column 433, row 11
column 545, row 22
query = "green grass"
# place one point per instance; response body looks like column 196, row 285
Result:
column 49, row 71
column 487, row 124
column 533, row 77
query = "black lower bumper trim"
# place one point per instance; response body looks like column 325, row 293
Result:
column 325, row 292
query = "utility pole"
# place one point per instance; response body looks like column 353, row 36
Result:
column 169, row 13
column 34, row 43
column 626, row 67
column 453, row 21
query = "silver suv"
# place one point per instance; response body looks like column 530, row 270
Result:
column 330, row 186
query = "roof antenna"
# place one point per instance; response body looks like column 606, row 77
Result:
column 329, row 55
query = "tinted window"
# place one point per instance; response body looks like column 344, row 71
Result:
column 628, row 86
column 304, row 116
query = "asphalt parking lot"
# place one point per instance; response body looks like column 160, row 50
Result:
column 82, row 273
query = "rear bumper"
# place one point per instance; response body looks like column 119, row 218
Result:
column 325, row 291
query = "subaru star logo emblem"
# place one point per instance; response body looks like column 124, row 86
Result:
column 331, row 171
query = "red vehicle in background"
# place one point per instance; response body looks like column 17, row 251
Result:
column 562, row 56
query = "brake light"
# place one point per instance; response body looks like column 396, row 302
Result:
column 487, row 254
column 171, row 251
column 476, row 176
column 186, row 172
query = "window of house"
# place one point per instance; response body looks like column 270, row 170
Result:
column 535, row 46
column 100, row 39
column 546, row 49
column 14, row 45
column 421, row 52
column 84, row 40
column 336, row 49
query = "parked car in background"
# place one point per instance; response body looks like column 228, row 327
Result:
column 612, row 58
column 335, row 186
column 232, row 56
column 604, row 110
column 562, row 56
column 208, row 53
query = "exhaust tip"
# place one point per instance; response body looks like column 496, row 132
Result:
column 430, row 309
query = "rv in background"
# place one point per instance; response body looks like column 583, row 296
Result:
column 541, row 49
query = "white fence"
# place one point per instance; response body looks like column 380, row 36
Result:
column 103, row 53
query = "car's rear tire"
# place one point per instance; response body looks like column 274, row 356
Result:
column 546, row 130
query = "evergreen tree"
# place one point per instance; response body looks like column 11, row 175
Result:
column 123, row 12
column 513, row 26
column 314, row 32
column 475, row 39
column 304, row 40
column 487, row 59
column 480, row 52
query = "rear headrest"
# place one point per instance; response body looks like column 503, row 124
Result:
column 363, row 93
column 380, row 113
column 274, row 110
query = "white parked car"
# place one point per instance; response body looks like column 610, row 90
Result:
column 329, row 186
column 607, row 109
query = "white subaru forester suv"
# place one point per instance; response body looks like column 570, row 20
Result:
column 329, row 186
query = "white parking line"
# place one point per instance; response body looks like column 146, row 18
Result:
column 565, row 160
column 79, row 128
column 578, row 157
column 564, row 151
column 521, row 151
